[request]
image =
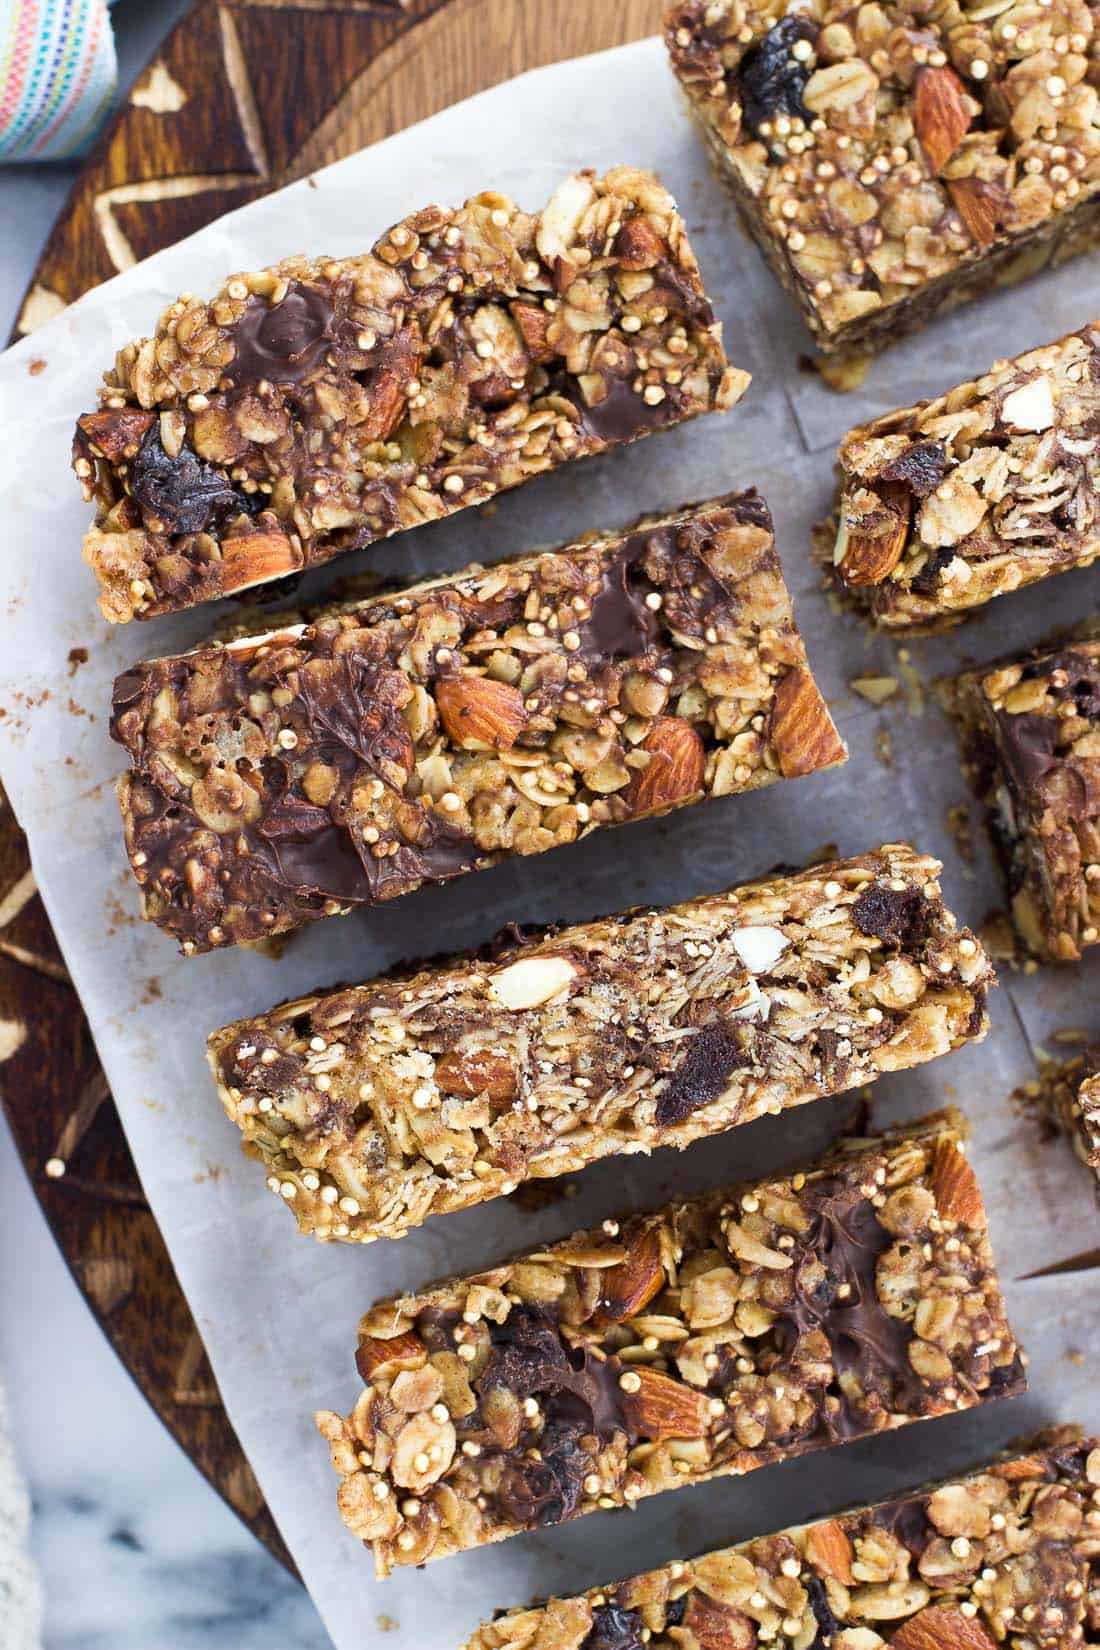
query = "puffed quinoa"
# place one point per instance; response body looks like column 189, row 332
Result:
column 327, row 403
column 858, row 1299
column 653, row 1028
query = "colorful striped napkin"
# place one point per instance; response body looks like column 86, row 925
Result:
column 57, row 76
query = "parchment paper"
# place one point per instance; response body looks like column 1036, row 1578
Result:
column 278, row 1312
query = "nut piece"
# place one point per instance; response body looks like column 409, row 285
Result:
column 629, row 1287
column 942, row 1628
column 830, row 1551
column 664, row 1408
column 802, row 730
column 718, row 1626
column 759, row 948
column 941, row 114
column 1031, row 407
column 639, row 246
column 378, row 1357
column 868, row 554
column 955, row 1187
column 531, row 982
column 562, row 215
column 675, row 768
column 478, row 1072
column 116, row 434
column 252, row 558
column 980, row 205
column 480, row 713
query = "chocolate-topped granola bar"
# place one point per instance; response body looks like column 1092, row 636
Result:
column 713, row 1336
column 327, row 403
column 436, row 1088
column 1030, row 735
column 1003, row 1555
column 1067, row 1094
column 893, row 160
column 986, row 489
column 420, row 734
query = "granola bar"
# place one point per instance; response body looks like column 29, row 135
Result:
column 328, row 403
column 1005, row 1555
column 986, row 489
column 893, row 160
column 418, row 735
column 1067, row 1093
column 1030, row 735
column 713, row 1336
column 423, row 1092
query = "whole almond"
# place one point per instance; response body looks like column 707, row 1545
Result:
column 829, row 1551
column 802, row 730
column 955, row 1187
column 664, row 1408
column 405, row 1351
column 868, row 552
column 479, row 713
column 387, row 405
column 630, row 1287
column 478, row 1072
column 251, row 558
column 941, row 114
column 533, row 322
column 941, row 1627
column 675, row 768
column 980, row 205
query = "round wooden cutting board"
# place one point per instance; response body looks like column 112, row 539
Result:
column 244, row 96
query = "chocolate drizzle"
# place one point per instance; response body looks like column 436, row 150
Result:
column 620, row 625
column 282, row 343
column 623, row 413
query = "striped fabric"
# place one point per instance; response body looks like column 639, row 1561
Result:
column 57, row 76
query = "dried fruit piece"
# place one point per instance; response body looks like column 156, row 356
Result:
column 802, row 730
column 955, row 1187
column 480, row 713
column 663, row 1408
column 830, row 1551
column 771, row 80
column 629, row 1287
column 675, row 768
column 942, row 113
column 941, row 1627
column 478, row 1072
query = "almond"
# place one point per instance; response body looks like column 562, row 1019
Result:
column 718, row 1626
column 868, row 552
column 980, row 205
column 117, row 435
column 478, row 1072
column 387, row 406
column 479, row 713
column 531, row 981
column 941, row 1627
column 941, row 114
column 829, row 1551
column 664, row 1408
column 1030, row 408
column 252, row 558
column 802, row 730
column 630, row 1287
column 534, row 324
column 638, row 245
column 374, row 1357
column 955, row 1187
column 675, row 768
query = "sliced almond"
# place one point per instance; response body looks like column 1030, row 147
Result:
column 675, row 768
column 531, row 982
column 478, row 1072
column 955, row 1187
column 1031, row 407
column 941, row 1627
column 941, row 114
column 829, row 1551
column 377, row 1357
column 664, row 1408
column 628, row 1288
column 253, row 558
column 802, row 730
column 562, row 215
column 480, row 713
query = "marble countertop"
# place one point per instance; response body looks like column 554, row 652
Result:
column 136, row 1551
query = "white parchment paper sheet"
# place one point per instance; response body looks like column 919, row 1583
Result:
column 277, row 1312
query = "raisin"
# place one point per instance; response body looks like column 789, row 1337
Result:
column 614, row 1628
column 921, row 467
column 893, row 915
column 770, row 80
column 701, row 1077
column 183, row 492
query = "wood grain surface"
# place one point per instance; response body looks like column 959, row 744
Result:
column 244, row 96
